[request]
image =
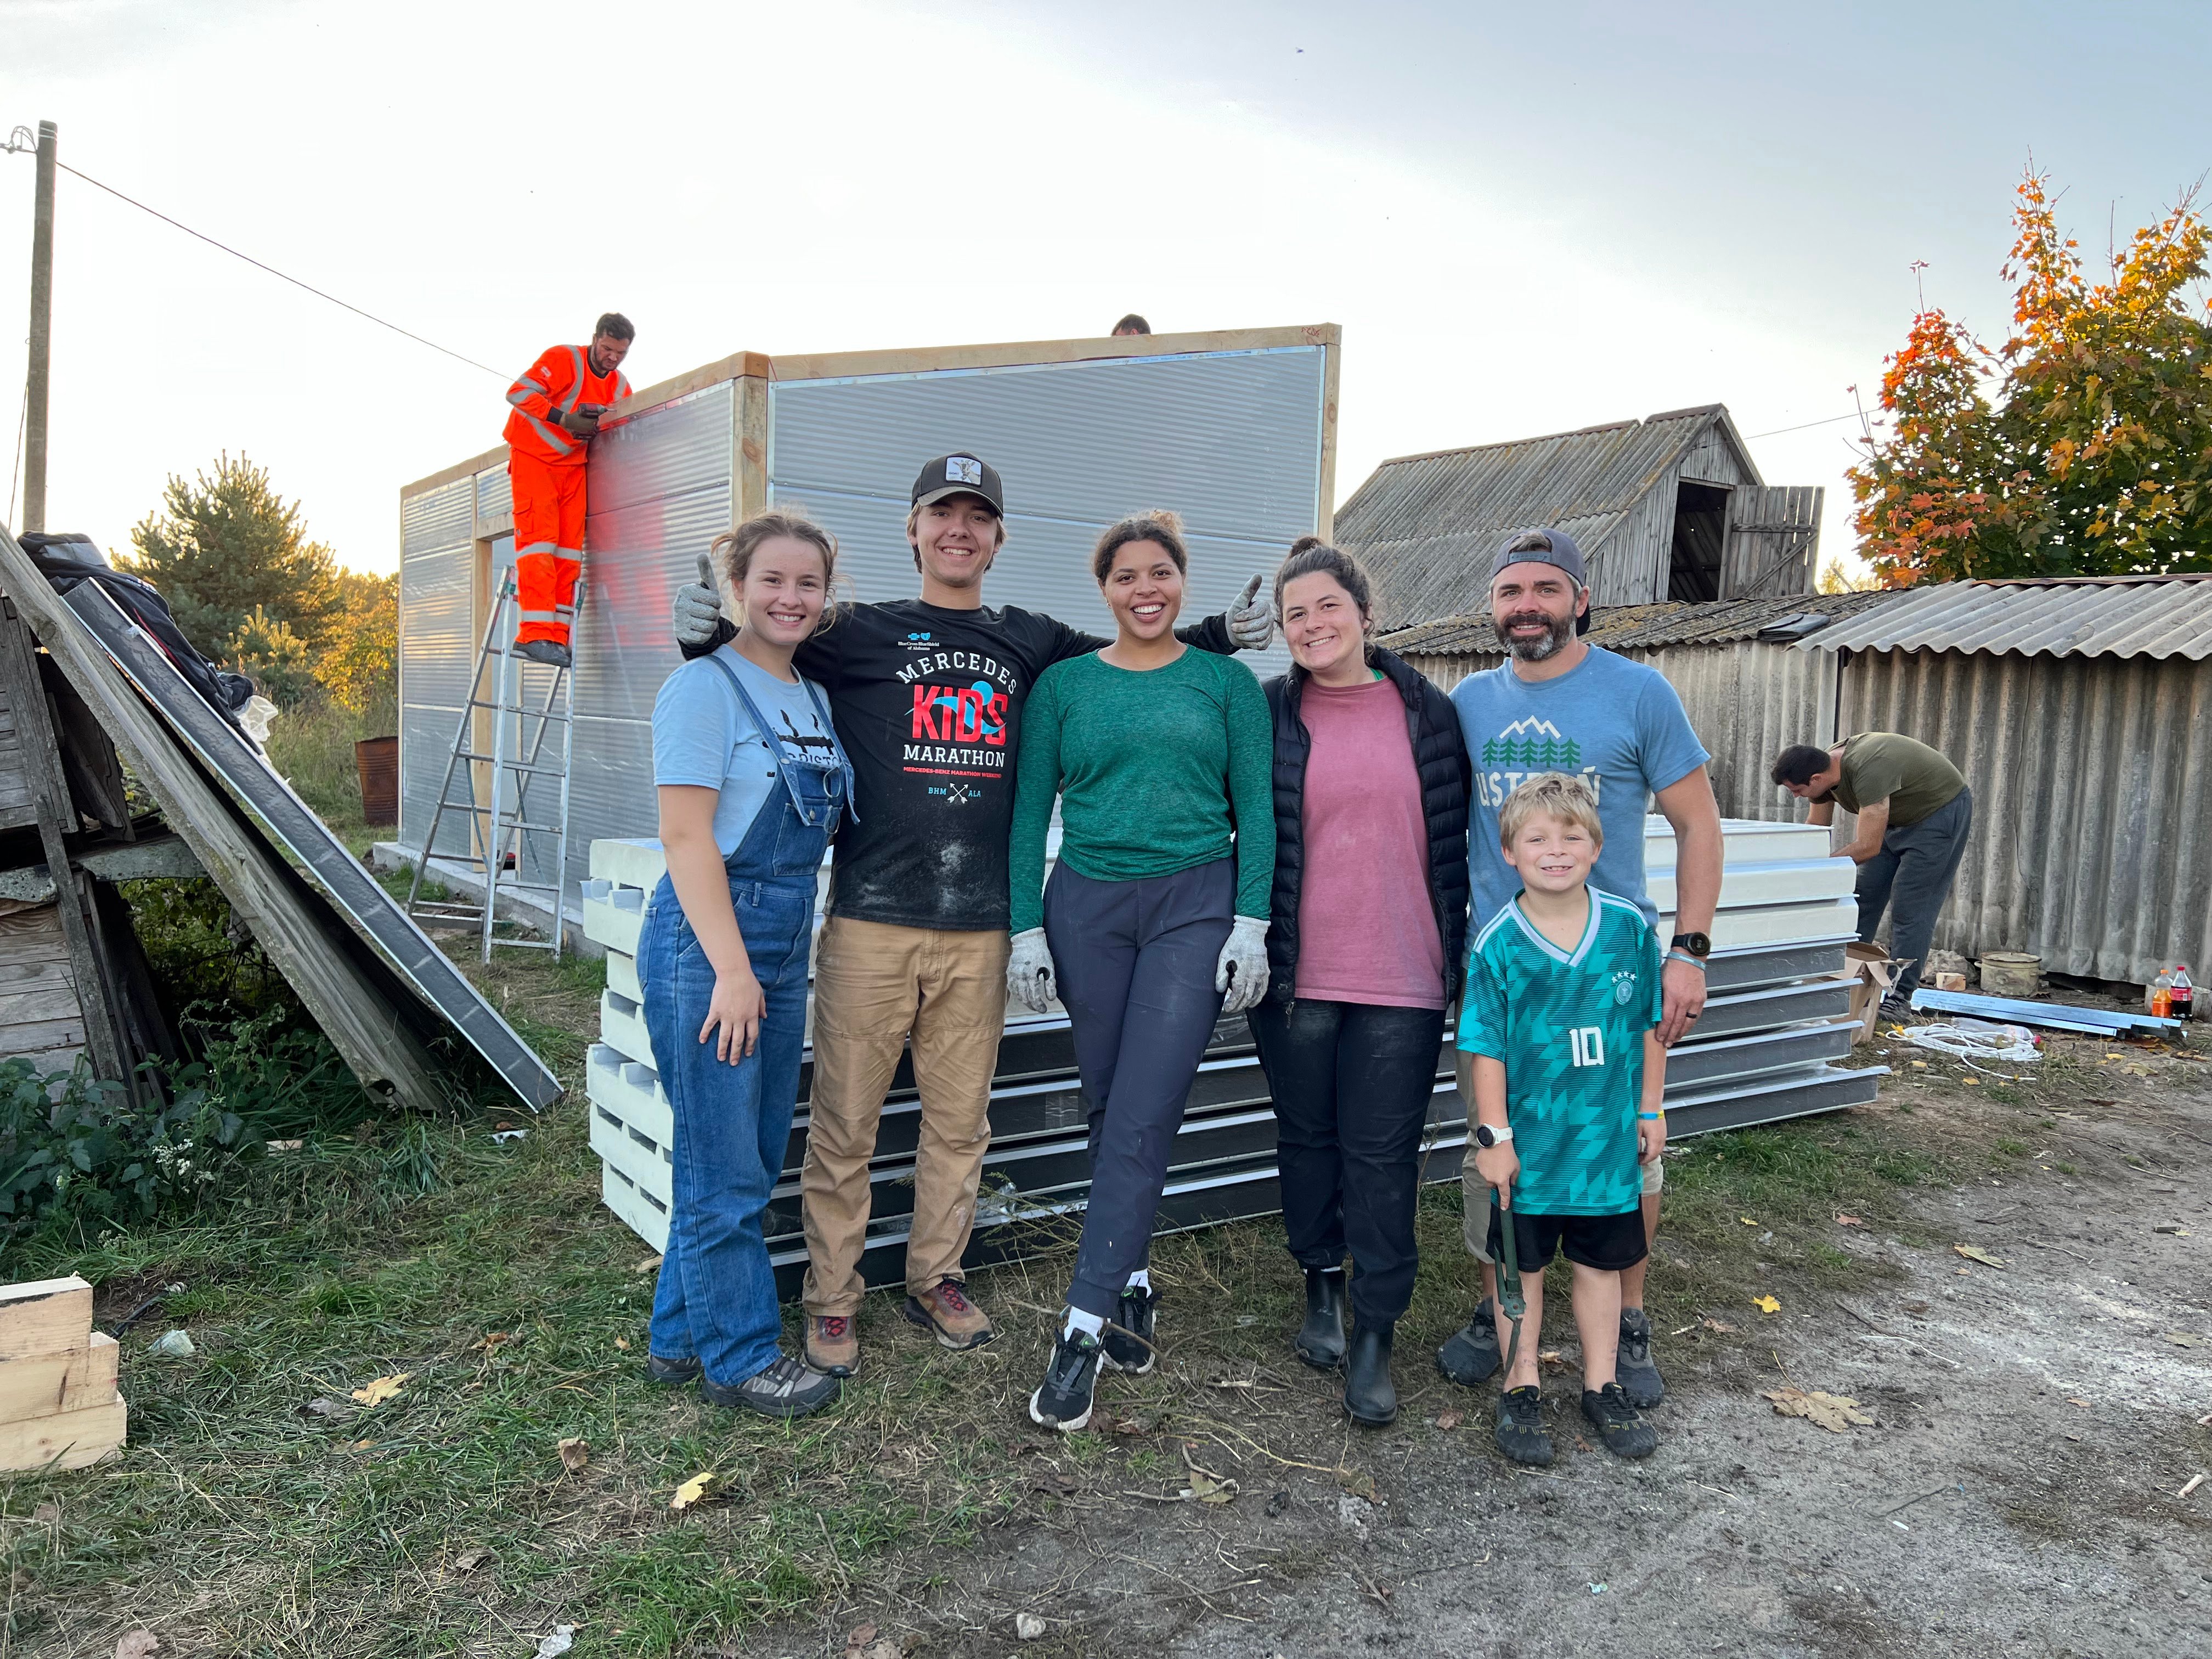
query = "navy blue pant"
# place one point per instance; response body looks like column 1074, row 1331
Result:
column 1136, row 961
column 1911, row 876
column 1352, row 1085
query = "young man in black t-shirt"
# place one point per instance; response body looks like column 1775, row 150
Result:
column 926, row 696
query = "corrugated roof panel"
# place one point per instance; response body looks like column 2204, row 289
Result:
column 2169, row 617
column 1625, row 626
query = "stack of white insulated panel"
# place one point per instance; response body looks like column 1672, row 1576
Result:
column 1776, row 1020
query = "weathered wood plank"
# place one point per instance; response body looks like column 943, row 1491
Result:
column 44, row 1316
column 352, row 1010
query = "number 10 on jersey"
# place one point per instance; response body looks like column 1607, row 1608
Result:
column 1587, row 1044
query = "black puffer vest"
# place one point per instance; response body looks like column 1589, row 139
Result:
column 1440, row 762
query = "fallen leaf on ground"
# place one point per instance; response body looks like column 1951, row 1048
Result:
column 575, row 1454
column 138, row 1644
column 47, row 1514
column 1976, row 1253
column 562, row 1638
column 622, row 1342
column 1746, row 1221
column 1842, row 1221
column 492, row 1338
column 1551, row 1357
column 651, row 1264
column 1766, row 1303
column 471, row 1558
column 383, row 1388
column 882, row 1648
column 1209, row 1490
column 1450, row 1419
column 1722, row 1325
column 1028, row 1626
column 857, row 1639
column 319, row 1407
column 2187, row 1340
column 1919, row 1065
column 696, row 1490
column 1833, row 1412
column 1970, row 1079
column 286, row 1145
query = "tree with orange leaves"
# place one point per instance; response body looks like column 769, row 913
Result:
column 2083, row 445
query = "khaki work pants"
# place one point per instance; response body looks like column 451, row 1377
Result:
column 874, row 985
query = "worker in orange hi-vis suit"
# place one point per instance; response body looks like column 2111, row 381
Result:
column 557, row 404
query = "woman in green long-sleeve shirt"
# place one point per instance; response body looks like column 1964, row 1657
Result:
column 1161, row 758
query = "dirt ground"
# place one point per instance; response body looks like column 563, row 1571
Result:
column 2015, row 1494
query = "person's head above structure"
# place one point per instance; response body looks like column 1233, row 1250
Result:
column 611, row 338
column 1132, row 323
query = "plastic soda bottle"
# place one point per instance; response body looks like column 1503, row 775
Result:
column 2161, row 994
column 2183, row 995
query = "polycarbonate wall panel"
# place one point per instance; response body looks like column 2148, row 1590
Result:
column 1231, row 441
column 669, row 451
column 495, row 492
column 436, row 621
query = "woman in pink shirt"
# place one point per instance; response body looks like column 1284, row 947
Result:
column 1365, row 947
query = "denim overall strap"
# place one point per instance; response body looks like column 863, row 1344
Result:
column 784, row 768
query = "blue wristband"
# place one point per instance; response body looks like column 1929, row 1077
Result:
column 1650, row 1117
column 1684, row 955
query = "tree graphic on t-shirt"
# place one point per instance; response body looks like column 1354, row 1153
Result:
column 1533, row 745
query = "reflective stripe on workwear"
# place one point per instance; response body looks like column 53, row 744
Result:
column 562, row 374
column 540, row 616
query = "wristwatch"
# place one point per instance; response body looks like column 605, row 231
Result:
column 1486, row 1137
column 1700, row 946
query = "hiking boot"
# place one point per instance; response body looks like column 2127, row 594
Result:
column 1627, row 1435
column 944, row 1308
column 544, row 651
column 1129, row 1333
column 1897, row 1011
column 1470, row 1355
column 1520, row 1432
column 789, row 1388
column 1369, row 1394
column 1062, row 1401
column 1319, row 1340
column 1639, row 1375
column 671, row 1372
column 833, row 1344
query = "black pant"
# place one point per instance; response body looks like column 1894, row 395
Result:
column 1136, row 961
column 1913, row 873
column 1352, row 1085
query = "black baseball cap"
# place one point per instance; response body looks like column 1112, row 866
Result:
column 959, row 474
column 1553, row 547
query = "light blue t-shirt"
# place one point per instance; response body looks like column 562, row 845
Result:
column 702, row 737
column 1615, row 724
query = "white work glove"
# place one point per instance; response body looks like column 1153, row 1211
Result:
column 1031, row 980
column 698, row 607
column 1242, row 969
column 1252, row 618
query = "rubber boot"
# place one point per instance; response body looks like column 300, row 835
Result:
column 1319, row 1340
column 1369, row 1394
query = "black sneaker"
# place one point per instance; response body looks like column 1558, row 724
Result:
column 1129, row 1333
column 1897, row 1011
column 1471, row 1354
column 1062, row 1401
column 1639, row 1375
column 789, row 1388
column 671, row 1372
column 1625, row 1433
column 1520, row 1433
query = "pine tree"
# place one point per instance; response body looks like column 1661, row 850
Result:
column 226, row 545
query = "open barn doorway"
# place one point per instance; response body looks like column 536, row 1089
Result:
column 1700, row 522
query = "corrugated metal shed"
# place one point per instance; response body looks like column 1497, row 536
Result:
column 1623, row 627
column 1633, row 494
column 2121, row 617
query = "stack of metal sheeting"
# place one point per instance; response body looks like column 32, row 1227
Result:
column 1777, row 1016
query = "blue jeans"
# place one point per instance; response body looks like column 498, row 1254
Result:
column 716, row 1297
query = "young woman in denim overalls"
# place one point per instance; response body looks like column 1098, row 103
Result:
column 753, row 782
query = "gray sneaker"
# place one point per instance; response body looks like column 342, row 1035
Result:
column 1471, row 1353
column 789, row 1388
column 1633, row 1368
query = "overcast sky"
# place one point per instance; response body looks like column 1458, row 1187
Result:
column 1527, row 219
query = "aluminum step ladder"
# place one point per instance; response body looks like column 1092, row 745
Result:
column 506, row 843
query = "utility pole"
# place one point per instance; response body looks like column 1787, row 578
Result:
column 42, row 309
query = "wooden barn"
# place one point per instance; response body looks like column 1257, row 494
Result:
column 1670, row 508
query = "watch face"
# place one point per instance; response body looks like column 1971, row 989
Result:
column 1483, row 1136
column 1697, row 944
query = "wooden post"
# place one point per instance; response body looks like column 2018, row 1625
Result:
column 41, row 341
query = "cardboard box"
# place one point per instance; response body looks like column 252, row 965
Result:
column 1872, row 974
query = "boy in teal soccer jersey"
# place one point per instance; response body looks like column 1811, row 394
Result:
column 1562, row 999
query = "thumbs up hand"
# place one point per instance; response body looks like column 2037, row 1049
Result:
column 1252, row 618
column 697, row 612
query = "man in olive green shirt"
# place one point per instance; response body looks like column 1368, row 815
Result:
column 1914, row 810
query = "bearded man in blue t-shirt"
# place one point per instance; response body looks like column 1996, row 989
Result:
column 1560, row 705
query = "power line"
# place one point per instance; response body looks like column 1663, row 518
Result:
column 281, row 275
column 1779, row 430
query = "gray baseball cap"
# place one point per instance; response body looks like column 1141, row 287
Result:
column 1552, row 547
